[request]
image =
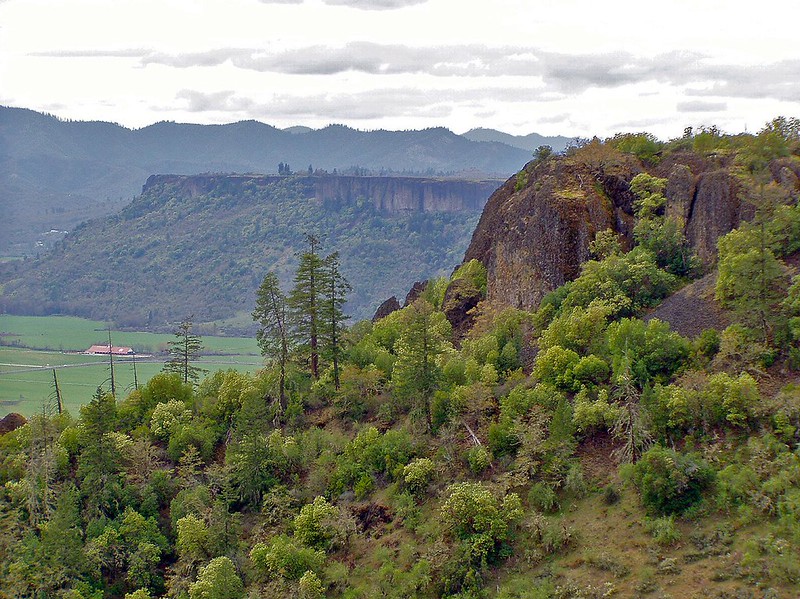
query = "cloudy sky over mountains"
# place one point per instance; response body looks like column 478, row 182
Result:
column 570, row 67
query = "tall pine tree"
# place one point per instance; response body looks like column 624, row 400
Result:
column 184, row 350
column 304, row 303
column 331, row 310
column 274, row 335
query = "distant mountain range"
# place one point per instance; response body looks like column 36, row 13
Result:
column 55, row 174
column 524, row 142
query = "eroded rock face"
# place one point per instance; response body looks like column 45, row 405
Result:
column 534, row 233
column 415, row 292
column 386, row 308
column 11, row 422
column 534, row 239
column 460, row 297
column 715, row 210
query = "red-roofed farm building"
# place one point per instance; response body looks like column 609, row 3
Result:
column 104, row 350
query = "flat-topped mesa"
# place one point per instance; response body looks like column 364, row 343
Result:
column 386, row 194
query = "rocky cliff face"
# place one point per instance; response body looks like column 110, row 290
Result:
column 406, row 194
column 535, row 230
column 386, row 194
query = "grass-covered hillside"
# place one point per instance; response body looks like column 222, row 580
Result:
column 579, row 450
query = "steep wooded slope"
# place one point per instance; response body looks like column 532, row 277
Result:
column 201, row 245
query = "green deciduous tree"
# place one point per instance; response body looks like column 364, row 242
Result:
column 217, row 580
column 751, row 281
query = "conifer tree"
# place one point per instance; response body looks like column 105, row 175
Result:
column 304, row 303
column 332, row 318
column 416, row 373
column 184, row 350
column 274, row 335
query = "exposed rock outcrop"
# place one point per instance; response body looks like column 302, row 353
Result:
column 11, row 422
column 532, row 238
column 535, row 230
column 460, row 297
column 416, row 290
column 386, row 308
column 406, row 194
column 386, row 194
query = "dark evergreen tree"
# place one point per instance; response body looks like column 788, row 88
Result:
column 332, row 317
column 304, row 303
column 274, row 335
column 184, row 350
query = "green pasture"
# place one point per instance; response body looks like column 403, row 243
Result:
column 69, row 333
column 31, row 347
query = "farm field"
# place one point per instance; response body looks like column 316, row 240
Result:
column 31, row 347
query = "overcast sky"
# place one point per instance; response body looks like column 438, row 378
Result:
column 569, row 67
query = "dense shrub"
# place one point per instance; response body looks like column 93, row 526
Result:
column 670, row 482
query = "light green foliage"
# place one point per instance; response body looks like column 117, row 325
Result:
column 479, row 523
column 434, row 292
column 578, row 329
column 479, row 459
column 192, row 541
column 471, row 509
column 318, row 525
column 139, row 594
column 735, row 398
column 606, row 243
column 371, row 454
column 217, row 580
column 473, row 271
column 773, row 141
column 417, row 474
column 751, row 280
column 164, row 387
column 591, row 415
column 555, row 366
column 591, row 370
column 661, row 236
column 310, row 586
column 644, row 146
column 626, row 284
column 358, row 390
column 284, row 557
column 167, row 417
column 663, row 529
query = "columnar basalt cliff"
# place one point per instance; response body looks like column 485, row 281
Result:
column 397, row 194
column 386, row 194
column 535, row 231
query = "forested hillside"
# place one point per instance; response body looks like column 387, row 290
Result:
column 201, row 245
column 576, row 448
column 56, row 174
